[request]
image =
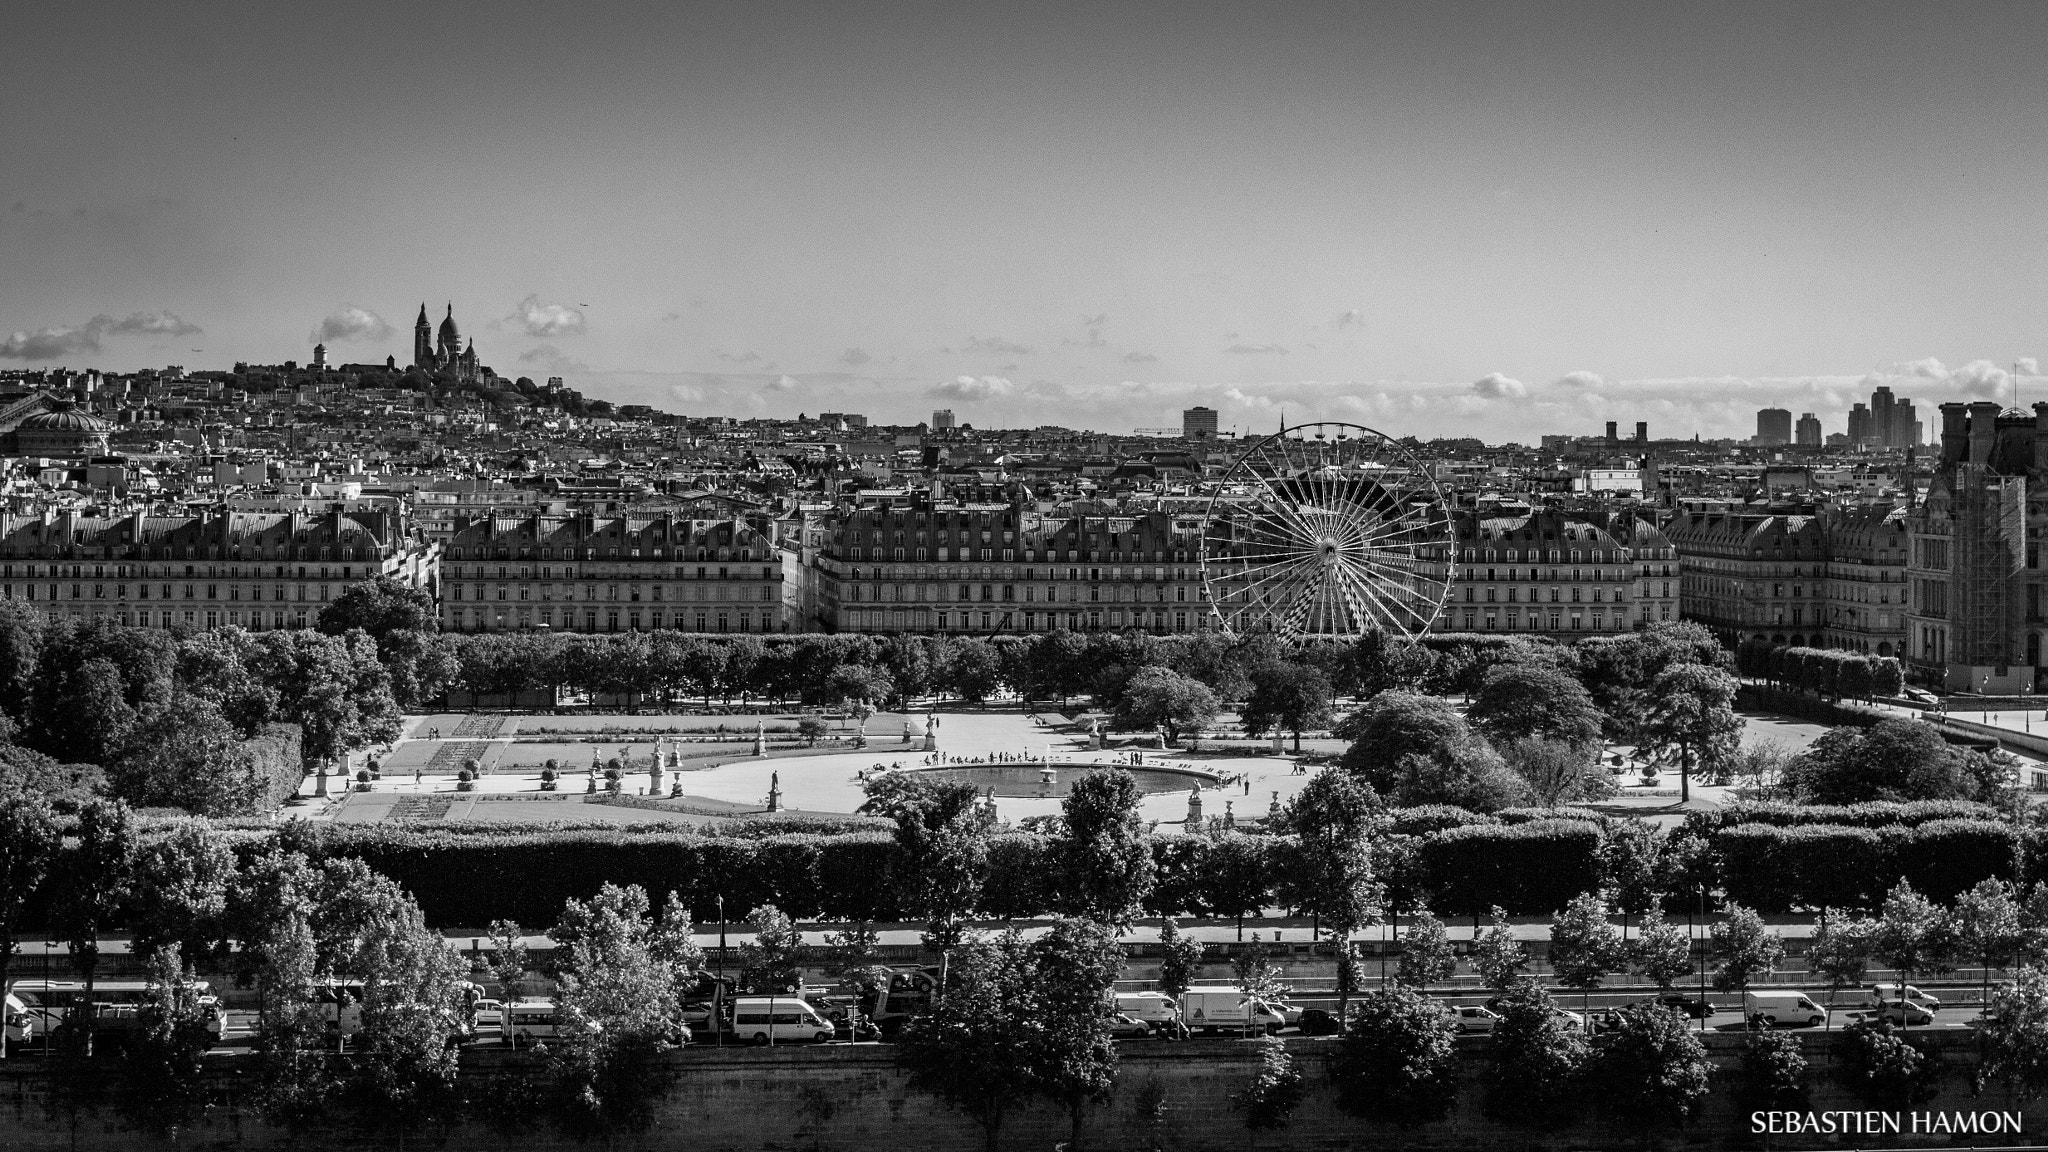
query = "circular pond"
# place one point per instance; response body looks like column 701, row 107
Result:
column 1018, row 781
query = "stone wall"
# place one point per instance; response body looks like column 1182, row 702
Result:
column 1169, row 1096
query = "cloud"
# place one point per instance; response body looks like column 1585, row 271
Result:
column 855, row 357
column 784, row 384
column 1580, row 379
column 975, row 388
column 670, row 318
column 546, row 321
column 1926, row 366
column 746, row 358
column 57, row 342
column 351, row 323
column 1093, row 324
column 2027, row 366
column 1352, row 318
column 995, row 346
column 1256, row 350
column 1497, row 386
column 1139, row 358
column 1980, row 378
column 552, row 358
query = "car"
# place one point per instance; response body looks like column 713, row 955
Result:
column 1475, row 1018
column 1573, row 1022
column 489, row 1013
column 1319, row 1022
column 1124, row 1026
column 1906, row 1013
column 1694, row 1007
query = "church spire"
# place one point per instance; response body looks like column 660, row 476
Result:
column 422, row 321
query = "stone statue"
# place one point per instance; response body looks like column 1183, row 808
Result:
column 931, row 734
column 1194, row 823
column 775, row 791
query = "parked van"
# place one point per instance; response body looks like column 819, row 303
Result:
column 1216, row 1009
column 780, row 1019
column 1156, row 1009
column 529, row 1022
column 1782, row 1009
column 1881, row 994
column 21, row 1026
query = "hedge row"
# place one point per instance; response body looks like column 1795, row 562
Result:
column 1873, row 814
column 1776, row 869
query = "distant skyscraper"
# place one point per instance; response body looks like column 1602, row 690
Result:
column 1642, row 431
column 1860, row 430
column 1809, row 430
column 942, row 420
column 1881, row 408
column 1611, row 425
column 1198, row 423
column 1905, row 427
column 1773, row 426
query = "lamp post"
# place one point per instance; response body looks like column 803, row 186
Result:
column 2026, row 717
column 1984, row 696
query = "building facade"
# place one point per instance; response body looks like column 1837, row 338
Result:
column 1753, row 574
column 1975, row 621
column 243, row 569
column 585, row 572
column 1551, row 573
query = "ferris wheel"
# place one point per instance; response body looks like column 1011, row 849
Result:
column 1328, row 531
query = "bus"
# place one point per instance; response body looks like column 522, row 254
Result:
column 47, row 1007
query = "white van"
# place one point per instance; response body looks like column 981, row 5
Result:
column 780, row 1019
column 21, row 1024
column 1155, row 1009
column 1782, row 1009
column 525, row 1023
column 1218, row 1008
column 1882, row 994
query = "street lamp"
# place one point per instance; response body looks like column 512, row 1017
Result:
column 1984, row 695
column 2026, row 717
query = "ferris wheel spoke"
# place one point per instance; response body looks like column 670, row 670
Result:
column 1278, row 566
column 1362, row 588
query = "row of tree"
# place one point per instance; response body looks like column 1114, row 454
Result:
column 1823, row 671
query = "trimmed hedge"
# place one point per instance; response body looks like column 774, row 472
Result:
column 1527, row 869
column 1873, row 814
column 1780, row 869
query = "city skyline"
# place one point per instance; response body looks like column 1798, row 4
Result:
column 1484, row 219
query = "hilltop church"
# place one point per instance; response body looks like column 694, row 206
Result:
column 442, row 351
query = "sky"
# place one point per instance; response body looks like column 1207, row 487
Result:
column 1433, row 219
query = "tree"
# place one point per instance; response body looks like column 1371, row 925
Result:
column 1534, row 1061
column 508, row 956
column 1180, row 959
column 333, row 687
column 774, row 962
column 163, row 1076
column 182, row 881
column 1746, row 949
column 971, row 670
column 1883, row 1068
column 812, row 729
column 1890, row 760
column 379, row 606
column 29, row 841
column 1336, row 819
column 1632, row 867
column 1498, row 956
column 1985, row 926
column 1519, row 701
column 623, row 974
column 182, row 753
column 978, row 1049
column 1692, row 721
column 1910, row 936
column 860, row 689
column 1255, row 978
column 943, row 845
column 1417, row 750
column 98, row 883
column 1074, row 969
column 1653, row 1069
column 1839, row 951
column 1584, row 947
column 1773, row 1073
column 1426, row 954
column 1661, row 951
column 854, row 956
column 1161, row 698
column 1286, row 696
column 1557, row 772
column 2015, row 1036
column 1104, row 857
column 1398, row 1059
column 1275, row 1091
